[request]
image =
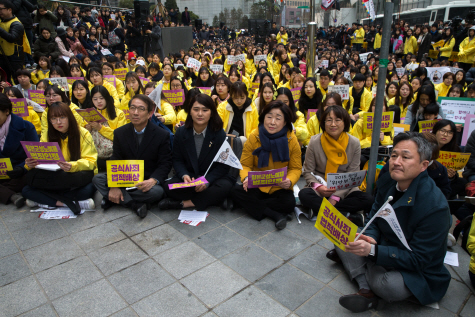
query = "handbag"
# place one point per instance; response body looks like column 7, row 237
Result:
column 103, row 144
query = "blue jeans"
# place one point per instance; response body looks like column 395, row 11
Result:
column 42, row 197
column 28, row 58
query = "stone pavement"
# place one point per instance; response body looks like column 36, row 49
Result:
column 115, row 264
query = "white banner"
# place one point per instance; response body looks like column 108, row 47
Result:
column 216, row 68
column 61, row 81
column 342, row 90
column 340, row 181
column 226, row 156
column 388, row 214
column 456, row 109
column 400, row 71
column 436, row 74
column 259, row 58
column 194, row 64
column 364, row 57
column 369, row 6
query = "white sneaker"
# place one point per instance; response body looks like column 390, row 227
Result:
column 31, row 203
column 451, row 240
column 87, row 204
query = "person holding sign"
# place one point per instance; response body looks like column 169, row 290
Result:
column 443, row 87
column 70, row 186
column 282, row 36
column 13, row 129
column 139, row 140
column 362, row 97
column 195, row 146
column 15, row 93
column 404, row 97
column 379, row 261
column 273, row 136
column 94, row 75
column 133, row 87
column 108, row 70
column 415, row 112
column 449, row 42
column 333, row 151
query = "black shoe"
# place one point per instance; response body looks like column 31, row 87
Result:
column 18, row 200
column 281, row 224
column 359, row 302
column 141, row 210
column 106, row 204
column 289, row 217
column 332, row 255
column 357, row 219
column 169, row 203
column 224, row 204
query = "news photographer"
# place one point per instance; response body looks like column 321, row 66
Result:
column 152, row 37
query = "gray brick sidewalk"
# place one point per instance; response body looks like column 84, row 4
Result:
column 114, row 264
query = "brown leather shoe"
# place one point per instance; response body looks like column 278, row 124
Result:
column 332, row 255
column 362, row 301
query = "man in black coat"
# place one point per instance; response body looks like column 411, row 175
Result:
column 425, row 44
column 185, row 17
column 139, row 140
column 11, row 40
column 23, row 9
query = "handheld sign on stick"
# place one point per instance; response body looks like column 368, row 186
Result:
column 374, row 217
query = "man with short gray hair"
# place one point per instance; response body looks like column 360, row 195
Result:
column 379, row 261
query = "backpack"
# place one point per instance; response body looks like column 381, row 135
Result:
column 113, row 39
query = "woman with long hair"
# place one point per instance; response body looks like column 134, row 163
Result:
column 81, row 95
column 281, row 57
column 15, row 93
column 133, row 86
column 63, row 44
column 415, row 112
column 310, row 97
column 403, row 98
column 204, row 78
column 449, row 42
column 221, row 90
column 300, row 127
column 267, row 94
column 96, row 78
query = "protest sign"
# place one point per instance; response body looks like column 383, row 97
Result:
column 175, row 97
column 468, row 128
column 456, row 109
column 364, row 57
column 5, row 166
column 205, row 90
column 296, row 92
column 91, row 115
column 453, row 160
column 126, row 111
column 231, row 60
column 37, row 96
column 386, row 122
column 178, row 65
column 193, row 64
column 400, row 128
column 110, row 79
column 106, row 52
column 400, row 71
column 334, row 226
column 347, row 75
column 144, row 80
column 216, row 68
column 433, row 54
column 88, row 25
column 323, row 63
column 427, row 125
column 124, row 173
column 240, row 57
column 120, row 73
column 340, row 181
column 454, row 57
column 199, row 181
column 342, row 90
column 43, row 152
column 311, row 113
column 258, row 58
column 438, row 44
column 436, row 74
column 374, row 91
column 20, row 107
column 255, row 86
column 71, row 80
column 61, row 81
column 454, row 70
column 266, row 178
column 226, row 156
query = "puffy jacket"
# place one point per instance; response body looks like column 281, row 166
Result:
column 46, row 47
column 470, row 76
column 62, row 48
column 471, row 246
column 46, row 21
column 22, row 10
column 377, row 41
column 446, row 50
column 467, row 50
column 410, row 45
column 250, row 117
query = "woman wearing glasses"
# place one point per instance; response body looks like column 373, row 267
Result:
column 70, row 186
column 333, row 151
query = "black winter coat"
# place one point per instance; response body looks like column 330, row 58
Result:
column 23, row 9
column 43, row 47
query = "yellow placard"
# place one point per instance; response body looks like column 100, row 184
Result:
column 406, row 127
column 124, row 173
column 438, row 44
column 5, row 165
column 88, row 24
column 255, row 86
column 433, row 54
column 120, row 73
column 453, row 160
column 427, row 125
column 386, row 122
column 336, row 227
column 205, row 90
column 454, row 57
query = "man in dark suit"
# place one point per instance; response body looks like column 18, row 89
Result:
column 424, row 45
column 185, row 17
column 139, row 140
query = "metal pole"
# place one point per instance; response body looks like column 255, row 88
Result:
column 311, row 48
column 378, row 112
column 312, row 11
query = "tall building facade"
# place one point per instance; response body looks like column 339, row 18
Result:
column 207, row 9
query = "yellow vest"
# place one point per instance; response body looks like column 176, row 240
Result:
column 9, row 48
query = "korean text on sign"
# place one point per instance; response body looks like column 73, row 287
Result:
column 20, row 107
column 91, row 115
column 342, row 90
column 456, row 109
column 427, row 125
column 334, row 226
column 341, row 181
column 120, row 73
column 296, row 92
column 5, row 165
column 124, row 173
column 386, row 122
column 266, row 178
column 453, row 160
column 37, row 96
column 43, row 152
column 175, row 97
column 197, row 182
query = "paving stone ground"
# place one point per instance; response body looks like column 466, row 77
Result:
column 114, row 264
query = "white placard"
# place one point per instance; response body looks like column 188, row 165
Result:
column 373, row 91
column 106, row 52
column 66, row 58
column 400, row 71
column 468, row 128
column 456, row 110
column 342, row 90
column 341, row 181
column 61, row 81
column 364, row 57
column 178, row 65
column 259, row 58
column 113, row 16
column 451, row 258
column 240, row 57
column 436, row 74
column 347, row 75
column 216, row 68
column 323, row 63
column 193, row 64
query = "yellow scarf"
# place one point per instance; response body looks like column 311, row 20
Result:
column 335, row 150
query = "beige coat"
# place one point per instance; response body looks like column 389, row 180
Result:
column 316, row 161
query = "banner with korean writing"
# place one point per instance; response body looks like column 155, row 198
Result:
column 175, row 97
column 400, row 71
column 266, row 178
column 205, row 90
column 124, row 173
column 199, row 181
column 71, row 80
column 438, row 44
column 456, row 109
column 216, row 68
column 120, row 73
column 453, row 160
column 342, row 90
column 5, row 166
column 178, row 65
column 43, row 152
column 427, row 125
column 20, row 107
column 144, row 80
column 37, row 96
column 258, row 58
column 255, row 86
column 61, row 81
column 323, row 63
column 193, row 64
column 341, row 181
column 364, row 57
column 386, row 122
column 311, row 113
column 347, row 75
column 110, row 79
column 91, row 115
column 296, row 92
column 334, row 226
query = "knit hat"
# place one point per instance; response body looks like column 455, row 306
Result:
column 131, row 55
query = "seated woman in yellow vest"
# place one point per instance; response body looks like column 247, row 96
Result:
column 221, row 90
column 167, row 76
column 242, row 69
column 177, row 83
column 108, row 70
column 449, row 42
column 444, row 86
column 300, row 127
column 281, row 57
column 282, row 77
column 15, row 93
column 133, row 86
column 310, row 97
column 95, row 77
column 313, row 124
column 239, row 114
column 235, row 76
column 325, row 81
column 267, row 94
column 404, row 97
column 42, row 70
column 103, row 133
column 265, row 78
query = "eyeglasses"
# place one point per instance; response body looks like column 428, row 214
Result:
column 53, row 96
column 446, row 132
column 57, row 119
column 176, row 86
column 337, row 121
column 135, row 108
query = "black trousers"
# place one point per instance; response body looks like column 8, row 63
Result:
column 458, row 187
column 9, row 187
column 352, row 203
column 255, row 202
column 214, row 195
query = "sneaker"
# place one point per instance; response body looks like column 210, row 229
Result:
column 87, row 204
column 451, row 240
column 18, row 200
column 31, row 203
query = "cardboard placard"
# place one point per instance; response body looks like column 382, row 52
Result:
column 120, row 73
column 199, row 181
column 37, row 96
column 5, row 166
column 400, row 71
column 175, row 97
column 205, row 90
column 61, row 81
column 453, row 160
column 342, row 90
column 193, row 64
column 386, row 122
column 216, row 68
column 124, row 173
column 427, row 125
column 258, row 58
column 110, row 79
column 43, row 152
column 71, row 80
column 296, row 92
column 456, row 109
column 341, row 181
column 91, row 115
column 266, row 178
column 436, row 74
column 20, row 107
